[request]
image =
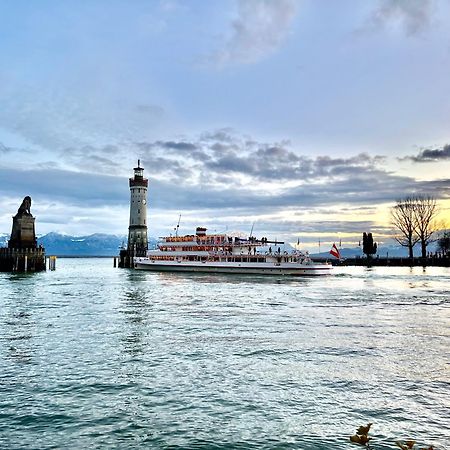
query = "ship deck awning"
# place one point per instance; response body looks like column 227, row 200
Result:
column 178, row 244
column 158, row 253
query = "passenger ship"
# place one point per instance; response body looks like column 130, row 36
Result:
column 219, row 253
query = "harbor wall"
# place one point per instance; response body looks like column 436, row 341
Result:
column 443, row 261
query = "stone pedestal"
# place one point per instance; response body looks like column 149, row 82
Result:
column 23, row 233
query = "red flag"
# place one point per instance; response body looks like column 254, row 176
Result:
column 335, row 252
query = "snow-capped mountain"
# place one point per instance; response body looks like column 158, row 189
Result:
column 93, row 245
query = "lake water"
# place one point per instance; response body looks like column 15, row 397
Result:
column 97, row 357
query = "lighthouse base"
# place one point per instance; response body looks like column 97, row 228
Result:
column 126, row 257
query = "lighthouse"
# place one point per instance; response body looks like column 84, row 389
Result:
column 137, row 229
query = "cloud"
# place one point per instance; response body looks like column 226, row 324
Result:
column 412, row 15
column 86, row 114
column 73, row 188
column 430, row 155
column 5, row 149
column 232, row 173
column 258, row 31
column 105, row 159
column 223, row 154
column 222, row 179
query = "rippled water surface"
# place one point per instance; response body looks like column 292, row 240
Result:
column 96, row 357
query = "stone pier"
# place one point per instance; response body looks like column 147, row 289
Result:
column 23, row 253
column 22, row 259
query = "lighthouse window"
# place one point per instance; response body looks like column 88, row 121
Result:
column 139, row 211
column 139, row 190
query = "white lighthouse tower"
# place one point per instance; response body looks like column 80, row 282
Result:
column 137, row 230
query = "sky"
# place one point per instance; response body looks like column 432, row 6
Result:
column 304, row 119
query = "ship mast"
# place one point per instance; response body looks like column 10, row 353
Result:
column 177, row 227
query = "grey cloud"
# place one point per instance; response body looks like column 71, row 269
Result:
column 298, row 229
column 74, row 188
column 172, row 145
column 177, row 148
column 259, row 30
column 57, row 117
column 271, row 163
column 327, row 226
column 90, row 191
column 175, row 170
column 7, row 149
column 220, row 149
column 198, row 176
column 414, row 15
column 217, row 165
column 94, row 159
column 363, row 191
column 4, row 149
column 431, row 155
column 221, row 135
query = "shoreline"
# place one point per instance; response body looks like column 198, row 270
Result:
column 393, row 262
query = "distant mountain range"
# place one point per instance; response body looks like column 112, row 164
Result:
column 93, row 245
column 109, row 245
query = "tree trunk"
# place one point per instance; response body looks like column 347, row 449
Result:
column 424, row 249
column 410, row 248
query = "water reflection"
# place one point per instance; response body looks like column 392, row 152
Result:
column 227, row 279
column 17, row 316
column 18, row 335
column 135, row 308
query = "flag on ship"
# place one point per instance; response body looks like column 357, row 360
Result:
column 335, row 252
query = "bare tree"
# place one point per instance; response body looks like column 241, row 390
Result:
column 444, row 242
column 425, row 211
column 404, row 219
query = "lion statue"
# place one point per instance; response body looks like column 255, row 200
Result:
column 24, row 208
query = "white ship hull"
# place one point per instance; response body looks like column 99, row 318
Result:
column 266, row 268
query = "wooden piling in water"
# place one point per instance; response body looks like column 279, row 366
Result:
column 52, row 263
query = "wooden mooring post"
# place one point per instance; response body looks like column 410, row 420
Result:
column 52, row 263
